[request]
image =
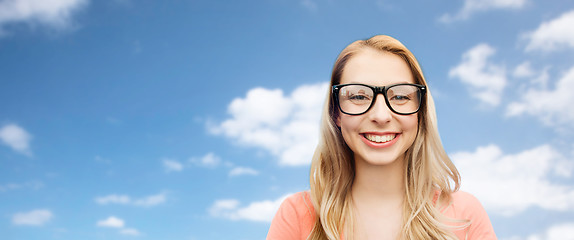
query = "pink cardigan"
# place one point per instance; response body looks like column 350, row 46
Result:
column 296, row 217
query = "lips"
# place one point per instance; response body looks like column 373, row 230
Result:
column 380, row 138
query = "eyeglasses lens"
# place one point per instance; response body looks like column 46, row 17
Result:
column 357, row 99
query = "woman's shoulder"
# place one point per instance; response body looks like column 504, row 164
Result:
column 294, row 219
column 465, row 206
column 299, row 204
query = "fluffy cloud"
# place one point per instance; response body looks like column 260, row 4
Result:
column 220, row 207
column 115, row 222
column 209, row 160
column 171, row 165
column 148, row 201
column 262, row 211
column 485, row 80
column 524, row 70
column 35, row 218
column 553, row 35
column 16, row 138
column 471, row 7
column 55, row 14
column 562, row 231
column 524, row 179
column 238, row 171
column 285, row 126
column 112, row 222
column 554, row 107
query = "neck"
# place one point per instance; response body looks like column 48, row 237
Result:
column 379, row 182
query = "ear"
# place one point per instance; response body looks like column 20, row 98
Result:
column 338, row 120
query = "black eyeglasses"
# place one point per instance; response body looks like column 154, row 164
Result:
column 357, row 99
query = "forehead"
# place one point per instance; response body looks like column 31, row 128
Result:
column 376, row 68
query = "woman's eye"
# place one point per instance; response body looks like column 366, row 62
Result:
column 400, row 98
column 358, row 97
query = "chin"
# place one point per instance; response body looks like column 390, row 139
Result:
column 380, row 160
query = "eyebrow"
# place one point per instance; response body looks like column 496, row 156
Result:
column 392, row 83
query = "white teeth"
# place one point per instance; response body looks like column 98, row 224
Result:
column 380, row 138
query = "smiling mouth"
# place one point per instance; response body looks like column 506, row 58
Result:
column 380, row 138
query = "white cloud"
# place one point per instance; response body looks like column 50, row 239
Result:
column 151, row 200
column 55, row 14
column 130, row 232
column 285, row 126
column 16, row 138
column 537, row 78
column 209, row 160
column 35, row 218
column 171, row 165
column 114, row 198
column 553, row 35
column 524, row 179
column 115, row 222
column 554, row 107
column 262, row 211
column 471, row 7
column 485, row 80
column 221, row 206
column 523, row 70
column 238, row 171
column 148, row 201
column 562, row 231
column 112, row 222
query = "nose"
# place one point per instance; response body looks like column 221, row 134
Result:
column 380, row 112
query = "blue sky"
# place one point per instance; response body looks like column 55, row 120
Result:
column 139, row 119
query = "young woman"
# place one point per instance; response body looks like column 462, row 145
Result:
column 380, row 170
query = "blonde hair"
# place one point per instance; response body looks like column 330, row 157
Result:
column 428, row 168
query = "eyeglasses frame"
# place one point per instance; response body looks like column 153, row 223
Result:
column 376, row 91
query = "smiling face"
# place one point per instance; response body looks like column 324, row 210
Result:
column 379, row 136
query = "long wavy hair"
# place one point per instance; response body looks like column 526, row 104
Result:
column 428, row 169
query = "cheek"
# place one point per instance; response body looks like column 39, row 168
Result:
column 346, row 122
column 410, row 125
column 413, row 123
column 348, row 126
